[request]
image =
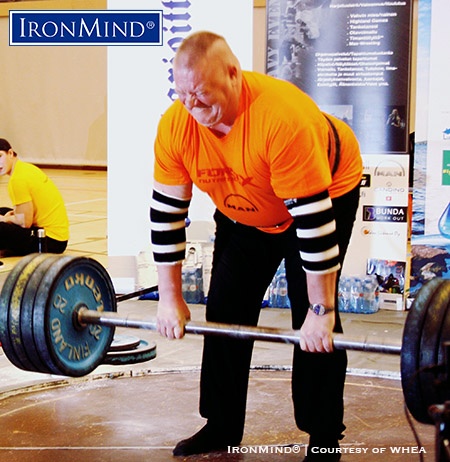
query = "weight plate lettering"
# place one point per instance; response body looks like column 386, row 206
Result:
column 66, row 347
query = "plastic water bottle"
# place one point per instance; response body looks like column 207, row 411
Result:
column 200, row 286
column 399, row 275
column 369, row 302
column 282, row 299
column 278, row 291
column 273, row 293
column 190, row 286
column 265, row 301
column 344, row 294
column 356, row 295
column 192, row 278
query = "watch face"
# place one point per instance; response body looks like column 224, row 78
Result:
column 319, row 309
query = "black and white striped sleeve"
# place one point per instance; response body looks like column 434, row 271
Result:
column 168, row 227
column 316, row 232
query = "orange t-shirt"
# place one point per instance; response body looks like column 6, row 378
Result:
column 277, row 149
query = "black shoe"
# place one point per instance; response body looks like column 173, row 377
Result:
column 322, row 458
column 205, row 440
column 323, row 449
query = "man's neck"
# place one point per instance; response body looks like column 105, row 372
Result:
column 221, row 130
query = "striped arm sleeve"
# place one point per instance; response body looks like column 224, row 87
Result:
column 168, row 227
column 316, row 232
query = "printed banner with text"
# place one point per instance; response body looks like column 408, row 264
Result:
column 353, row 59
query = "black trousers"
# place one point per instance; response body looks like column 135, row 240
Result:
column 20, row 241
column 244, row 262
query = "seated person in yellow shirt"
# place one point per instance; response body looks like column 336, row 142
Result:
column 37, row 203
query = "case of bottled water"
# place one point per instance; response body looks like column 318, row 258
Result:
column 358, row 294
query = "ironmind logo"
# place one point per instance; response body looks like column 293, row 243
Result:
column 85, row 27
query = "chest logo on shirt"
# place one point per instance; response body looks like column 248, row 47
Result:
column 217, row 175
column 239, row 204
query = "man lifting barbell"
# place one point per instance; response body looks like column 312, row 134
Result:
column 58, row 314
column 55, row 302
column 284, row 178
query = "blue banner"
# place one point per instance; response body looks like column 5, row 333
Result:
column 90, row 27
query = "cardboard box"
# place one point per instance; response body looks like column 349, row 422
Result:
column 391, row 301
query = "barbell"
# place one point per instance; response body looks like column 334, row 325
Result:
column 58, row 315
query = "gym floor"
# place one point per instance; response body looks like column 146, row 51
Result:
column 139, row 412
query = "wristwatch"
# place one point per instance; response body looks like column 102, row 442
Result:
column 319, row 309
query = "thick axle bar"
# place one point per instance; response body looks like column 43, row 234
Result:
column 340, row 341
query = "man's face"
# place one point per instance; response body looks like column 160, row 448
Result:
column 6, row 162
column 206, row 92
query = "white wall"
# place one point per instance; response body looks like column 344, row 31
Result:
column 53, row 99
column 138, row 85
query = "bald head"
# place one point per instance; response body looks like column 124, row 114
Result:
column 207, row 46
column 208, row 79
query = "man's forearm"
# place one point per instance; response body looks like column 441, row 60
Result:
column 169, row 281
column 322, row 288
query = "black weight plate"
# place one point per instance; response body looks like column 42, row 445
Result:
column 5, row 299
column 65, row 346
column 39, row 308
column 411, row 349
column 24, row 282
column 431, row 350
column 445, row 331
column 444, row 392
column 144, row 352
column 124, row 343
column 26, row 316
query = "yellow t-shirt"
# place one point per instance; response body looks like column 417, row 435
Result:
column 277, row 149
column 28, row 183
